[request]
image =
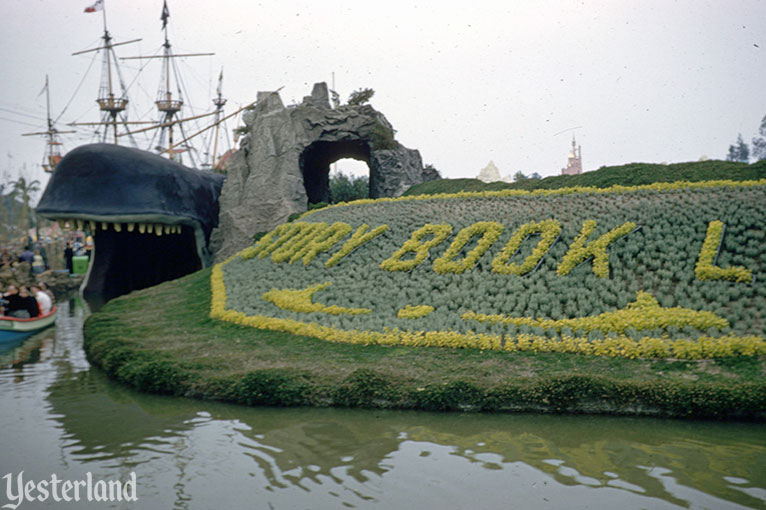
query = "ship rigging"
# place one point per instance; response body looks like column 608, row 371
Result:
column 53, row 144
column 113, row 103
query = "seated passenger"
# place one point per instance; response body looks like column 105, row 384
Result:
column 43, row 301
column 15, row 307
column 29, row 303
column 44, row 287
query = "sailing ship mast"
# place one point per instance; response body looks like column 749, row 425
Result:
column 53, row 153
column 168, row 106
column 219, row 101
column 111, row 105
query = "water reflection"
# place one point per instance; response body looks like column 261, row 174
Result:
column 189, row 454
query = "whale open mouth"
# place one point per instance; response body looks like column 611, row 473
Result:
column 133, row 255
column 150, row 218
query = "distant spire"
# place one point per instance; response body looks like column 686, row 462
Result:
column 574, row 161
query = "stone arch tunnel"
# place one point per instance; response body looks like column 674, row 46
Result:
column 315, row 161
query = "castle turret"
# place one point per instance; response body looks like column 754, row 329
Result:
column 574, row 161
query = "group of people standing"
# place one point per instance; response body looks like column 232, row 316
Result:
column 25, row 303
column 36, row 259
column 77, row 248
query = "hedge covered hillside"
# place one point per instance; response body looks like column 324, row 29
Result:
column 633, row 174
column 658, row 271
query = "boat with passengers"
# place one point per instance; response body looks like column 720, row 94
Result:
column 12, row 328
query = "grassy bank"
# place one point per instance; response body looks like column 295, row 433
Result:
column 633, row 174
column 162, row 340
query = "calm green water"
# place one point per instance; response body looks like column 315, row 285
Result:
column 61, row 416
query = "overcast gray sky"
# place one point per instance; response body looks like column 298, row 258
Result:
column 463, row 82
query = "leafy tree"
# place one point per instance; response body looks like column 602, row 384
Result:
column 535, row 175
column 519, row 176
column 739, row 152
column 361, row 96
column 361, row 186
column 759, row 143
column 346, row 188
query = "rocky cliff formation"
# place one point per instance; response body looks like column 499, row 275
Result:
column 284, row 161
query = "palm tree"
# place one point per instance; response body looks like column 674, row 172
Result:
column 4, row 216
column 23, row 190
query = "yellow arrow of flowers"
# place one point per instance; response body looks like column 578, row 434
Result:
column 644, row 313
column 300, row 301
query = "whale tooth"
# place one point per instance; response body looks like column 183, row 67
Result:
column 118, row 227
column 158, row 229
column 80, row 225
column 149, row 228
column 178, row 229
column 131, row 226
column 62, row 224
column 167, row 229
column 104, row 225
column 142, row 227
column 92, row 225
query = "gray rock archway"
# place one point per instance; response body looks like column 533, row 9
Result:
column 284, row 159
column 315, row 161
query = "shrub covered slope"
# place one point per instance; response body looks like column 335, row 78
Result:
column 667, row 270
column 633, row 174
column 162, row 340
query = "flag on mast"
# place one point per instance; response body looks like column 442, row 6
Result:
column 220, row 83
column 165, row 14
column 98, row 6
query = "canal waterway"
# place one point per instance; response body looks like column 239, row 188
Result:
column 61, row 416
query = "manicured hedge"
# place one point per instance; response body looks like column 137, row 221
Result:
column 632, row 174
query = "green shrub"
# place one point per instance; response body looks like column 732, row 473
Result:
column 454, row 396
column 365, row 388
column 382, row 137
column 347, row 188
column 272, row 388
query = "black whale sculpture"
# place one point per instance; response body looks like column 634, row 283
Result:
column 150, row 217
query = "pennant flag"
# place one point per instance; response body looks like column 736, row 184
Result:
column 165, row 14
column 220, row 83
column 98, row 6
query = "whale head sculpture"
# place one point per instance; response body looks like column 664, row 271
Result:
column 150, row 217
